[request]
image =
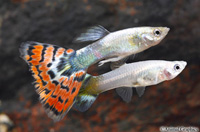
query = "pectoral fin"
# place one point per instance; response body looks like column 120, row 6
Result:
column 140, row 91
column 125, row 93
column 92, row 34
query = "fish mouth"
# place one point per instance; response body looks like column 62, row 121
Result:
column 184, row 63
column 165, row 31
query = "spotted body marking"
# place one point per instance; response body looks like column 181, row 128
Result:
column 56, row 81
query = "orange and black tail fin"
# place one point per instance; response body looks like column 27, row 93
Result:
column 57, row 78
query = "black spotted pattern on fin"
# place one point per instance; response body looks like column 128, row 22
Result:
column 49, row 65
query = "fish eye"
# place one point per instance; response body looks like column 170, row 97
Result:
column 177, row 67
column 157, row 32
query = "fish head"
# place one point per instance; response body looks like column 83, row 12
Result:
column 147, row 37
column 153, row 35
column 173, row 69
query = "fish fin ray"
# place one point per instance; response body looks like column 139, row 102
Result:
column 57, row 79
column 125, row 93
column 132, row 57
column 85, row 98
column 111, row 59
column 84, row 102
column 117, row 64
column 140, row 91
column 92, row 34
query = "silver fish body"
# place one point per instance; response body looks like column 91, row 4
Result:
column 140, row 74
column 133, row 40
column 117, row 45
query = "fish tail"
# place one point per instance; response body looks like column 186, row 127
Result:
column 87, row 94
column 57, row 78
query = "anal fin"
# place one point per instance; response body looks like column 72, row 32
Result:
column 125, row 93
column 112, row 59
column 140, row 91
column 117, row 64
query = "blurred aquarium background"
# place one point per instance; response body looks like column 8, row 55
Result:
column 171, row 103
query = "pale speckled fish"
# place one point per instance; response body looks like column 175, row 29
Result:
column 138, row 75
column 59, row 72
column 114, row 46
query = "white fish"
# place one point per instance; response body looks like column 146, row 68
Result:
column 138, row 75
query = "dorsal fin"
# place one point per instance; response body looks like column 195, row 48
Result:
column 92, row 34
column 125, row 93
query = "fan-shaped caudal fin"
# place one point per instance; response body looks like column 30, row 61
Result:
column 57, row 79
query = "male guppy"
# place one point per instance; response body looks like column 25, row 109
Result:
column 138, row 75
column 59, row 72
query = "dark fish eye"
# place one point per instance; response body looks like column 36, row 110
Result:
column 176, row 67
column 157, row 32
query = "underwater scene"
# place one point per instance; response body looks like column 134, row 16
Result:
column 99, row 66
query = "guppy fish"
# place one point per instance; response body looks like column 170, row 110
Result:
column 59, row 72
column 138, row 75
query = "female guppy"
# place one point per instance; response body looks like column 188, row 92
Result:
column 138, row 75
column 59, row 72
